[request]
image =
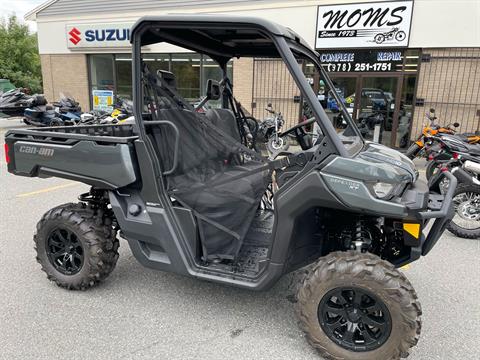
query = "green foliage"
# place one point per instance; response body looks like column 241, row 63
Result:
column 19, row 58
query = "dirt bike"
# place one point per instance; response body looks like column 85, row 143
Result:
column 428, row 132
column 395, row 33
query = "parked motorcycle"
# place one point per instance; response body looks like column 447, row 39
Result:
column 67, row 104
column 269, row 131
column 14, row 102
column 122, row 112
column 463, row 161
column 429, row 130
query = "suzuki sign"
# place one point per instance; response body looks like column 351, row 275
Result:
column 367, row 25
column 81, row 36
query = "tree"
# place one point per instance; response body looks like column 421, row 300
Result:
column 19, row 58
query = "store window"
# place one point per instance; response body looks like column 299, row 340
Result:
column 123, row 70
column 114, row 72
column 186, row 68
column 101, row 72
column 157, row 62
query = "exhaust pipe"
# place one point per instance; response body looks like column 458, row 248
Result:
column 463, row 176
column 472, row 166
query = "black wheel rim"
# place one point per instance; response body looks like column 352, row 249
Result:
column 65, row 251
column 354, row 318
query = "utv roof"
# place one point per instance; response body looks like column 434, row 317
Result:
column 221, row 36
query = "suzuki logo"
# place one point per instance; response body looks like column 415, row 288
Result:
column 74, row 36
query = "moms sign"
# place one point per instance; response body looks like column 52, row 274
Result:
column 364, row 25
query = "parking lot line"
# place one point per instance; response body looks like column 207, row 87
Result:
column 51, row 188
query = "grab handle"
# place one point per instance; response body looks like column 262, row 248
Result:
column 177, row 141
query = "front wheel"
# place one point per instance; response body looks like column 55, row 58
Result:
column 400, row 36
column 275, row 144
column 413, row 151
column 466, row 221
column 357, row 306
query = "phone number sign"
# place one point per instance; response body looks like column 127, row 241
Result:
column 362, row 61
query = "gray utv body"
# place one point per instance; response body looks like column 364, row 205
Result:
column 122, row 160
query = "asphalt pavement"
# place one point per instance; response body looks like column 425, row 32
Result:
column 138, row 313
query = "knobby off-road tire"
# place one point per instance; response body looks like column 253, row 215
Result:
column 363, row 272
column 412, row 151
column 94, row 235
column 456, row 229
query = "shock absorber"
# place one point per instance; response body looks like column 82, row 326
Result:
column 362, row 239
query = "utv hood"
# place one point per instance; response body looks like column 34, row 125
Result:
column 375, row 163
column 378, row 153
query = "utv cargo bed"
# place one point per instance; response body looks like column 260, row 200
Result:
column 98, row 155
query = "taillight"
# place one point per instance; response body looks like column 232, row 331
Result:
column 455, row 155
column 7, row 156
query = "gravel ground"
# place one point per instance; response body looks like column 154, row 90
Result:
column 139, row 313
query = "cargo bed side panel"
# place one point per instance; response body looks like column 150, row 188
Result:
column 108, row 166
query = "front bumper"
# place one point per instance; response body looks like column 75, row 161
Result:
column 439, row 209
column 426, row 203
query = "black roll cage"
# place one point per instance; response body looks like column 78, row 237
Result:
column 284, row 42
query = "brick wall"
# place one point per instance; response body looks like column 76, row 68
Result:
column 66, row 73
column 449, row 83
column 243, row 81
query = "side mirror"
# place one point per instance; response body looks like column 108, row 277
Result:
column 456, row 124
column 213, row 90
column 432, row 110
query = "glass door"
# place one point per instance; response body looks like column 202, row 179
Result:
column 376, row 108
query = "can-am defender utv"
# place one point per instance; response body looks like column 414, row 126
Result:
column 190, row 194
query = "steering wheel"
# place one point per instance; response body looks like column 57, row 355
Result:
column 304, row 139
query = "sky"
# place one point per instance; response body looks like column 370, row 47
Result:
column 20, row 8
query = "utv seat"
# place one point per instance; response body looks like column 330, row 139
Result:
column 225, row 120
column 201, row 180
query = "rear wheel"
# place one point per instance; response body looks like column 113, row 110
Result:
column 466, row 221
column 379, row 38
column 357, row 306
column 75, row 248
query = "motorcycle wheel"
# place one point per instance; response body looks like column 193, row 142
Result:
column 400, row 36
column 413, row 151
column 466, row 221
column 274, row 145
column 379, row 38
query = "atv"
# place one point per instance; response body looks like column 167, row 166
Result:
column 189, row 195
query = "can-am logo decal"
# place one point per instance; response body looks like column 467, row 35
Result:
column 36, row 150
column 74, row 36
column 98, row 35
column 378, row 24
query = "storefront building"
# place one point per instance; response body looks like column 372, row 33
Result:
column 397, row 58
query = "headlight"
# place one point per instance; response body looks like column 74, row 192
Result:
column 382, row 190
column 386, row 191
